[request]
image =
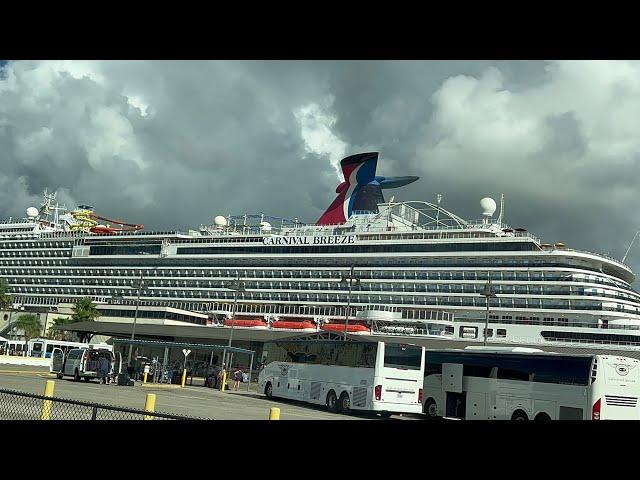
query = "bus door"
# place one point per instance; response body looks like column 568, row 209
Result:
column 117, row 363
column 57, row 361
column 36, row 349
column 455, row 397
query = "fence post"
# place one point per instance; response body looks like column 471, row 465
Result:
column 184, row 376
column 94, row 413
column 150, row 405
column 274, row 413
column 46, row 404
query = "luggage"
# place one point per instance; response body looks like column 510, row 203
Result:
column 124, row 380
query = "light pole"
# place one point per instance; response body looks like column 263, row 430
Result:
column 135, row 317
column 237, row 286
column 350, row 279
column 487, row 293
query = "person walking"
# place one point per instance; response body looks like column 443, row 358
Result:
column 103, row 370
column 237, row 378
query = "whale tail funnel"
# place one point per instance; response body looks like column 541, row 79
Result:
column 361, row 190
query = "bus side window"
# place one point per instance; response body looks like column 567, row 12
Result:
column 509, row 374
column 432, row 369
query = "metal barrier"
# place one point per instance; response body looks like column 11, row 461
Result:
column 16, row 405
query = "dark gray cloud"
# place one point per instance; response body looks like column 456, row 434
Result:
column 171, row 144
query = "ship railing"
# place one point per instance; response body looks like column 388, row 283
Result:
column 551, row 324
column 413, row 332
column 608, row 257
column 322, row 311
column 586, row 341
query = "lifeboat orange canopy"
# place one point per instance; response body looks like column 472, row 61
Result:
column 340, row 327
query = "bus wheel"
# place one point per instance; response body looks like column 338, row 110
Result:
column 345, row 403
column 385, row 414
column 332, row 402
column 519, row 415
column 542, row 417
column 59, row 375
column 87, row 379
column 431, row 409
column 76, row 376
column 268, row 390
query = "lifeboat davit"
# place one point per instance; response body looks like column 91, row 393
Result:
column 245, row 322
column 340, row 327
column 293, row 325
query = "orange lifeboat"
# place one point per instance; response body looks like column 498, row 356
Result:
column 245, row 322
column 294, row 325
column 340, row 327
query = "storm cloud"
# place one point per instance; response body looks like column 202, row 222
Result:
column 171, row 144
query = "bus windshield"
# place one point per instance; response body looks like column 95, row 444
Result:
column 407, row 357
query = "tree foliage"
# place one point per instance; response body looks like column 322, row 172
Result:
column 59, row 334
column 5, row 298
column 29, row 324
column 84, row 310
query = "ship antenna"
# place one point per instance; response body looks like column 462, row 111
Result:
column 438, row 199
column 500, row 217
column 630, row 245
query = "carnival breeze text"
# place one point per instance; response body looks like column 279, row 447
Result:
column 319, row 240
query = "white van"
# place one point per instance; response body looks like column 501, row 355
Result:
column 83, row 363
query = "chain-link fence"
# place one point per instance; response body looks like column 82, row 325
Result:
column 15, row 405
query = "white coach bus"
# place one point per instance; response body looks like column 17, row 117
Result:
column 43, row 347
column 380, row 377
column 524, row 384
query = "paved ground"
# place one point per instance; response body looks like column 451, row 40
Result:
column 191, row 400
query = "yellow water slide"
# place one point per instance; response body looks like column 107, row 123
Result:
column 84, row 219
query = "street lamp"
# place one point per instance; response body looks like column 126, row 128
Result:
column 351, row 279
column 487, row 293
column 237, row 286
column 139, row 286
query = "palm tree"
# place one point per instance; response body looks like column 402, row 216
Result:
column 5, row 298
column 84, row 310
column 29, row 324
column 56, row 334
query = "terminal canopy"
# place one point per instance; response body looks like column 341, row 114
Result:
column 189, row 346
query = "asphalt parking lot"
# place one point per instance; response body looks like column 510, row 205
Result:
column 193, row 401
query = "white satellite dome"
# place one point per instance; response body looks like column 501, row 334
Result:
column 265, row 226
column 220, row 221
column 32, row 212
column 488, row 206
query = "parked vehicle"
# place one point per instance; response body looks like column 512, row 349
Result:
column 83, row 363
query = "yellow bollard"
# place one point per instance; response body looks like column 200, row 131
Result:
column 145, row 378
column 224, row 381
column 184, row 376
column 150, row 405
column 46, row 404
column 274, row 413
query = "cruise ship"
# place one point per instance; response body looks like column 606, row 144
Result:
column 369, row 266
